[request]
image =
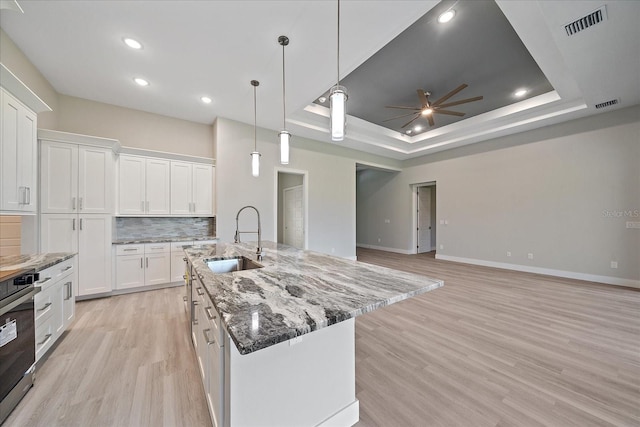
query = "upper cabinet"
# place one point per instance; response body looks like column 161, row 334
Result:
column 191, row 189
column 76, row 178
column 18, row 156
column 143, row 186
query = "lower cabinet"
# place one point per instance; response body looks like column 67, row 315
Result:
column 54, row 304
column 178, row 260
column 208, row 341
column 142, row 265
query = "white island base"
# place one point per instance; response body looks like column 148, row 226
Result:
column 306, row 381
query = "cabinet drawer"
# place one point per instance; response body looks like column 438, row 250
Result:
column 50, row 275
column 43, row 305
column 178, row 246
column 45, row 337
column 130, row 249
column 152, row 248
column 211, row 317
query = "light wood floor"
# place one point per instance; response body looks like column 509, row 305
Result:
column 490, row 348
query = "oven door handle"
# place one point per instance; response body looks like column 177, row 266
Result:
column 13, row 304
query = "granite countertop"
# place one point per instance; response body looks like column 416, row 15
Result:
column 139, row 240
column 296, row 292
column 36, row 261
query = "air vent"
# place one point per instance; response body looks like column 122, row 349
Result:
column 595, row 17
column 607, row 104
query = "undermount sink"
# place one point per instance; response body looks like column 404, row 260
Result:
column 227, row 265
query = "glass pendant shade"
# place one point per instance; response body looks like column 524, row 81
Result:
column 338, row 106
column 255, row 164
column 284, row 147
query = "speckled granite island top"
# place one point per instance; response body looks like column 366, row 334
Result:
column 296, row 292
column 36, row 261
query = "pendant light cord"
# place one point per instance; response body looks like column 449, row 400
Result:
column 338, row 61
column 284, row 98
column 255, row 121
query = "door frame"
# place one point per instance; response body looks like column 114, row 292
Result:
column 414, row 222
column 305, row 200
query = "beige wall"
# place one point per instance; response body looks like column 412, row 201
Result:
column 13, row 58
column 546, row 192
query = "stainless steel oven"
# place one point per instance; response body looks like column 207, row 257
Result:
column 17, row 337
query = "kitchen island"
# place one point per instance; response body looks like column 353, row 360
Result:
column 276, row 343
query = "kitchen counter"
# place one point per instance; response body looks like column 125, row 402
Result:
column 36, row 261
column 296, row 292
column 161, row 239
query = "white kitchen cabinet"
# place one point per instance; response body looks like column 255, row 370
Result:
column 90, row 236
column 76, row 178
column 178, row 260
column 142, row 265
column 18, row 156
column 191, row 189
column 144, row 186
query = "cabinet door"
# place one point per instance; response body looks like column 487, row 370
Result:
column 158, row 175
column 215, row 387
column 69, row 298
column 131, row 187
column 157, row 268
column 129, row 271
column 28, row 158
column 95, row 180
column 202, row 189
column 59, row 292
column 177, row 266
column 59, row 233
column 94, row 248
column 58, row 177
column 181, row 188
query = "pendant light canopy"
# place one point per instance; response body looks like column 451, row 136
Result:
column 338, row 100
column 255, row 155
column 284, row 136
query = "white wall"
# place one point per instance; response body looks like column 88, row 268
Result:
column 545, row 192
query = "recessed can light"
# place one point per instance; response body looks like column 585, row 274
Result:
column 133, row 44
column 141, row 82
column 206, row 99
column 417, row 128
column 446, row 16
column 520, row 93
column 409, row 131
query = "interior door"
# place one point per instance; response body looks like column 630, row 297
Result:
column 424, row 219
column 293, row 217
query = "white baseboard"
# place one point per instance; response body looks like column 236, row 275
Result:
column 548, row 271
column 384, row 248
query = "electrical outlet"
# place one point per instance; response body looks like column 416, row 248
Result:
column 614, row 264
column 530, row 255
column 508, row 253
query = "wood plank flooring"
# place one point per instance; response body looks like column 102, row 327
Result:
column 490, row 348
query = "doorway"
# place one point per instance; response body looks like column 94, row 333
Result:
column 425, row 203
column 291, row 216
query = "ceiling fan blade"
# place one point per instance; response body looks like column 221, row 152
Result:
column 430, row 119
column 402, row 108
column 397, row 117
column 462, row 101
column 411, row 121
column 449, row 95
column 423, row 98
column 451, row 113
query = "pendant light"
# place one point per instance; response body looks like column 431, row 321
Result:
column 338, row 100
column 284, row 135
column 255, row 156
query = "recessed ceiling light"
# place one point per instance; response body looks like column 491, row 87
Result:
column 446, row 16
column 322, row 99
column 409, row 131
column 520, row 93
column 133, row 44
column 206, row 99
column 417, row 128
column 141, row 82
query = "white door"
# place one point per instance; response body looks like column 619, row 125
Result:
column 59, row 233
column 95, row 180
column 129, row 271
column 181, row 188
column 158, row 176
column 202, row 189
column 94, row 247
column 293, row 217
column 131, row 178
column 59, row 177
column 424, row 219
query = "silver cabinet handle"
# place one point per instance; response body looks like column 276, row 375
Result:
column 209, row 314
column 155, row 247
column 47, row 305
column 80, row 223
column 206, row 338
column 68, row 287
column 199, row 291
column 46, row 338
column 194, row 312
column 80, row 203
column 130, row 249
column 147, row 262
column 42, row 282
column 73, row 203
column 67, row 268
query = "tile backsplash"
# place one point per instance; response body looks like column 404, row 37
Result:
column 152, row 227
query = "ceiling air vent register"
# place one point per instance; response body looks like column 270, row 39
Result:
column 593, row 18
column 607, row 104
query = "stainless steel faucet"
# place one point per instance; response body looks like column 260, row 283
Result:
column 237, row 236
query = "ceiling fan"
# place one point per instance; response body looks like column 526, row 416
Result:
column 428, row 108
